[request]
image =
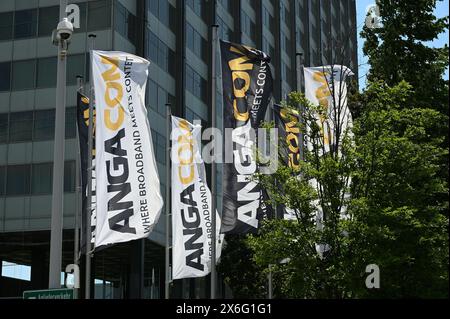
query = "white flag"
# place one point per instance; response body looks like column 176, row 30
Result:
column 191, row 205
column 326, row 87
column 128, row 191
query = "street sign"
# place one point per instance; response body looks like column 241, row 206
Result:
column 49, row 294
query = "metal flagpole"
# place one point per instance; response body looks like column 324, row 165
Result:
column 89, row 175
column 58, row 156
column 213, row 164
column 78, row 205
column 300, row 66
column 168, row 199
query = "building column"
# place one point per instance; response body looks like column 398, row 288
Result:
column 39, row 268
column 136, row 273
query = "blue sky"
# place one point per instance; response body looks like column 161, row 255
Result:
column 441, row 10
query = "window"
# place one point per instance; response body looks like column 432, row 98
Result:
column 159, row 143
column 20, row 126
column 71, row 125
column 17, row 271
column 160, row 53
column 224, row 30
column 125, row 22
column 162, row 100
column 69, row 176
column 153, row 6
column 226, row 4
column 3, row 128
column 285, row 43
column 195, row 42
column 42, row 178
column 164, row 11
column 25, row 23
column 46, row 72
column 34, row 126
column 153, row 95
column 5, row 76
column 152, row 46
column 248, row 26
column 99, row 15
column 120, row 19
column 2, row 180
column 6, row 25
column 34, row 179
column 75, row 66
column 44, row 125
column 191, row 116
column 48, row 20
column 18, row 180
column 268, row 19
column 284, row 14
column 267, row 47
column 23, row 74
column 196, row 84
column 163, row 55
column 255, row 4
column 158, row 97
column 196, row 6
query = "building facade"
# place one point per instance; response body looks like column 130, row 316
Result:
column 175, row 35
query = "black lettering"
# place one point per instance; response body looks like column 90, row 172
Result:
column 118, row 151
column 194, row 259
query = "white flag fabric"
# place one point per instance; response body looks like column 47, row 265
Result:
column 129, row 201
column 191, row 205
column 326, row 86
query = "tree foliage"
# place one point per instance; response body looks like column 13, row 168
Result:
column 400, row 50
column 389, row 179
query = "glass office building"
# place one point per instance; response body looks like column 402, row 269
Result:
column 175, row 35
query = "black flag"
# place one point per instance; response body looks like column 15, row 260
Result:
column 287, row 121
column 247, row 91
column 83, row 135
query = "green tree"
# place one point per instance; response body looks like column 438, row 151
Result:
column 245, row 278
column 396, row 217
column 397, row 214
column 400, row 50
column 309, row 271
column 400, row 201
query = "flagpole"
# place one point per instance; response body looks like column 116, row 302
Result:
column 56, row 228
column 78, row 205
column 168, row 199
column 300, row 67
column 89, row 176
column 213, row 163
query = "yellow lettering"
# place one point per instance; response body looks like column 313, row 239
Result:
column 111, row 75
column 109, row 99
column 186, row 146
column 239, row 64
column 111, row 124
column 113, row 93
column 186, row 180
column 294, row 160
column 291, row 139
